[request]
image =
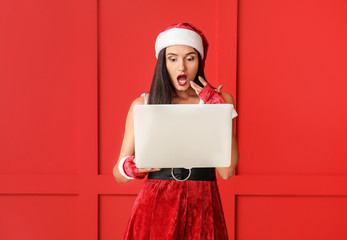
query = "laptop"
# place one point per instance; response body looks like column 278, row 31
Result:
column 183, row 135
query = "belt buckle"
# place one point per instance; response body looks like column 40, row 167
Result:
column 180, row 180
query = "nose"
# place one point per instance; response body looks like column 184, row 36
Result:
column 181, row 66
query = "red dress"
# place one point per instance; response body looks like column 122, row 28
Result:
column 173, row 210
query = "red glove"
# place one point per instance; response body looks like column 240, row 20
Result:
column 129, row 168
column 210, row 96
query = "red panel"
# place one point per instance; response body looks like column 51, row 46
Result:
column 227, row 46
column 291, row 124
column 37, row 90
column 48, row 71
column 38, row 217
column 114, row 213
column 291, row 217
column 292, row 86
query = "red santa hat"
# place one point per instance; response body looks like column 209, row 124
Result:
column 182, row 34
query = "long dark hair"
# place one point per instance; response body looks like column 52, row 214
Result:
column 161, row 91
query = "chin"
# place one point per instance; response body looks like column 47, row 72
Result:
column 182, row 88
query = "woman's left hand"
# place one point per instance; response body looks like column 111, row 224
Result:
column 198, row 89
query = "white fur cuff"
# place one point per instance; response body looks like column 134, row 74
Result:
column 121, row 168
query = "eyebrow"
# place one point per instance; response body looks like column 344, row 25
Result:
column 174, row 54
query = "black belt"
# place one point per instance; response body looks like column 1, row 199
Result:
column 182, row 174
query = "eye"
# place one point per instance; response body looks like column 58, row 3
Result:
column 172, row 59
column 190, row 59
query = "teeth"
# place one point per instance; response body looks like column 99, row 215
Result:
column 182, row 80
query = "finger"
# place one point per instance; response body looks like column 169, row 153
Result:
column 196, row 87
column 154, row 169
column 202, row 81
column 219, row 88
column 192, row 85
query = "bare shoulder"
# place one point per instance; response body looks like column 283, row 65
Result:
column 139, row 101
column 228, row 97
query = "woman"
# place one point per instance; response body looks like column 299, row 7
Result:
column 166, row 208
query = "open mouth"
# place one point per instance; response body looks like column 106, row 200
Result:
column 182, row 79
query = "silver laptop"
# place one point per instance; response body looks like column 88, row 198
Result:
column 183, row 135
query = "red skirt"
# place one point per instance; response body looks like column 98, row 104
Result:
column 167, row 209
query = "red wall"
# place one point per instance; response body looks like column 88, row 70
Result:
column 291, row 88
column 69, row 71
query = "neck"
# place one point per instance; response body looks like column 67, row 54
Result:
column 184, row 95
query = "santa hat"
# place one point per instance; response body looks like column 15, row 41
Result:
column 182, row 34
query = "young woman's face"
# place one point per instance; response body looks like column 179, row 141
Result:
column 182, row 64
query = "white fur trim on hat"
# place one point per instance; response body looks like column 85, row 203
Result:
column 179, row 36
